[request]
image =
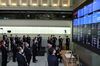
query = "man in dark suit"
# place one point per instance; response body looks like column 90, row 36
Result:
column 54, row 41
column 4, row 53
column 28, row 40
column 39, row 38
column 24, row 38
column 20, row 58
column 14, row 50
column 67, row 42
column 27, row 52
column 60, row 42
column 11, row 40
column 34, row 50
column 52, row 59
column 16, row 40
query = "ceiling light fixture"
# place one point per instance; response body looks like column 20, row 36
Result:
column 3, row 4
column 45, row 4
column 65, row 5
column 24, row 4
column 55, row 5
column 34, row 4
column 14, row 4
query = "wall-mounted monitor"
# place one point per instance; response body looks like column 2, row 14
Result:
column 88, row 23
column 96, row 5
column 82, row 21
column 90, row 8
column 96, row 17
column 75, row 22
column 86, row 9
column 90, row 19
column 86, row 19
column 81, row 12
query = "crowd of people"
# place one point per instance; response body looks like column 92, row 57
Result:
column 54, row 55
column 23, row 52
column 52, row 40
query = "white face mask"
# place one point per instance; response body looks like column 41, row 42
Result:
column 4, row 42
column 22, row 51
column 54, row 51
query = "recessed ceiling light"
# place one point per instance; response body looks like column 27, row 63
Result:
column 44, row 4
column 34, row 4
column 64, row 5
column 24, row 4
column 14, row 4
column 3, row 4
column 55, row 5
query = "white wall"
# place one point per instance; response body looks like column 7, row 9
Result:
column 36, row 30
column 37, row 23
column 34, row 27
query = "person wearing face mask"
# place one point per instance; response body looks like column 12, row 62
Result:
column 52, row 59
column 20, row 58
column 27, row 53
column 4, row 53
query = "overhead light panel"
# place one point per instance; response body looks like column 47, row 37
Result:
column 55, row 5
column 34, row 4
column 64, row 5
column 3, row 4
column 44, row 4
column 13, row 4
column 24, row 4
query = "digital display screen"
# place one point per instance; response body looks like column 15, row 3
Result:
column 90, row 8
column 81, row 12
column 86, row 10
column 96, row 17
column 90, row 19
column 86, row 19
column 82, row 21
column 75, row 22
column 98, row 39
column 96, row 5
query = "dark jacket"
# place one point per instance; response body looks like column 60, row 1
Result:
column 52, row 60
column 4, row 54
column 34, row 49
column 27, row 52
column 21, row 60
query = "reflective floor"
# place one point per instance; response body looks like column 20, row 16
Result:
column 42, row 61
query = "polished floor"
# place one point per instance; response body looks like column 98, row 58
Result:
column 42, row 61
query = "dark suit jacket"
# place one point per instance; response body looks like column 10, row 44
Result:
column 27, row 52
column 21, row 60
column 4, row 54
column 34, row 49
column 52, row 60
column 28, row 40
column 67, row 41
